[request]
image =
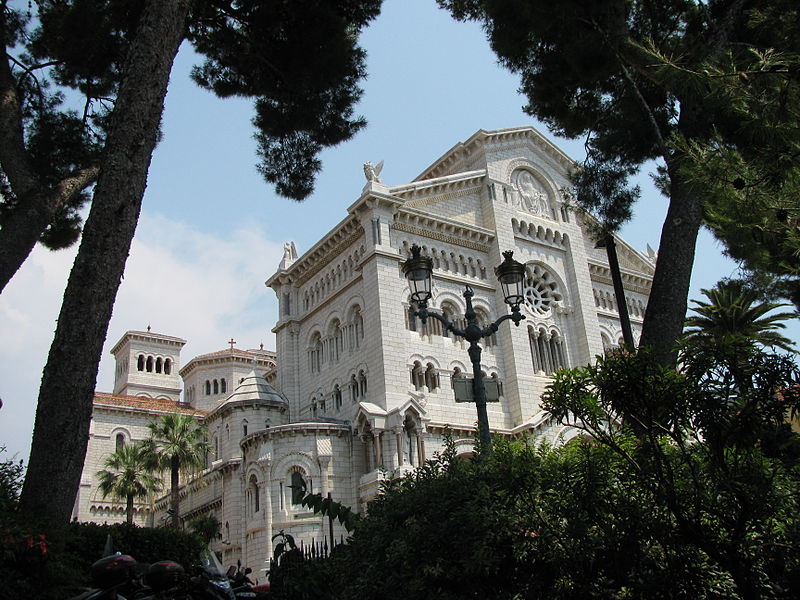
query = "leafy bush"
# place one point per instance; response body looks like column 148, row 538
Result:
column 55, row 565
column 684, row 486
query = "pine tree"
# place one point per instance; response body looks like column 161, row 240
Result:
column 298, row 60
column 641, row 80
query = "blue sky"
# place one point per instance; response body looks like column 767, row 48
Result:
column 212, row 230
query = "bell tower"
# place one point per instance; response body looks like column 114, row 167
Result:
column 147, row 365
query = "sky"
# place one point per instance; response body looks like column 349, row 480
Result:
column 212, row 231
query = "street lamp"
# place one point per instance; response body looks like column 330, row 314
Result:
column 511, row 274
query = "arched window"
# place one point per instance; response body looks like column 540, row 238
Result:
column 417, row 376
column 547, row 351
column 449, row 312
column 208, row 387
column 244, row 427
column 315, row 354
column 314, row 408
column 337, row 342
column 607, row 345
column 168, row 367
column 298, row 487
column 353, row 388
column 411, row 317
column 431, row 377
column 140, row 363
column 337, row 397
column 216, row 447
column 254, row 494
column 499, row 384
column 483, row 322
column 362, row 383
column 149, row 364
column 119, row 442
column 410, row 441
column 159, row 364
column 223, row 385
column 358, row 325
column 216, row 386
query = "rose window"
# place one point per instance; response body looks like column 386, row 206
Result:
column 540, row 290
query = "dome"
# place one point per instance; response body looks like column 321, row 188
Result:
column 255, row 388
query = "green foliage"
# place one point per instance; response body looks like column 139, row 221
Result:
column 11, row 474
column 55, row 565
column 299, row 61
column 126, row 476
column 292, row 576
column 328, row 507
column 177, row 444
column 305, row 98
column 601, row 189
column 709, row 88
column 682, row 485
column 87, row 540
column 708, row 448
column 752, row 186
column 733, row 317
column 206, row 527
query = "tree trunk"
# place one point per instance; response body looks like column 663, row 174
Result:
column 64, row 409
column 129, row 509
column 666, row 308
column 175, row 499
column 23, row 227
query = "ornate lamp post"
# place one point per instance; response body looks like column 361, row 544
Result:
column 511, row 274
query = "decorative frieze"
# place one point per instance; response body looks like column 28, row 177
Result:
column 441, row 237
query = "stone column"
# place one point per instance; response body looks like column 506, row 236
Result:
column 378, row 449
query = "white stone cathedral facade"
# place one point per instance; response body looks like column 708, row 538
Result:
column 359, row 389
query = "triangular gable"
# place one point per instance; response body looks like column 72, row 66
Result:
column 372, row 414
column 462, row 156
column 396, row 416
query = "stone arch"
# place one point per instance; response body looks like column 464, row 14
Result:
column 536, row 170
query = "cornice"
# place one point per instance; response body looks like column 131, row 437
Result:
column 321, row 254
column 205, row 507
column 146, row 336
column 228, row 406
column 463, row 153
column 443, row 229
column 244, row 357
column 325, row 257
column 293, row 429
column 634, row 282
column 428, row 191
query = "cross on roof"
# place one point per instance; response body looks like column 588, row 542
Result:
column 231, row 342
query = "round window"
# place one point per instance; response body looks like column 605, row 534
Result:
column 540, row 290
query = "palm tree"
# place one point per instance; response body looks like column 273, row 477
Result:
column 177, row 443
column 734, row 317
column 127, row 477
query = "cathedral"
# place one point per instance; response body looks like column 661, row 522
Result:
column 359, row 389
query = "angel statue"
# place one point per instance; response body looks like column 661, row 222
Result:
column 372, row 172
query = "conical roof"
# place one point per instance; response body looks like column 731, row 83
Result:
column 255, row 387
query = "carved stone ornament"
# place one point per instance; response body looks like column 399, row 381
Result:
column 373, row 172
column 419, row 397
column 532, row 194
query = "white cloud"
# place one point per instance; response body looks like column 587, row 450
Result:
column 205, row 288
